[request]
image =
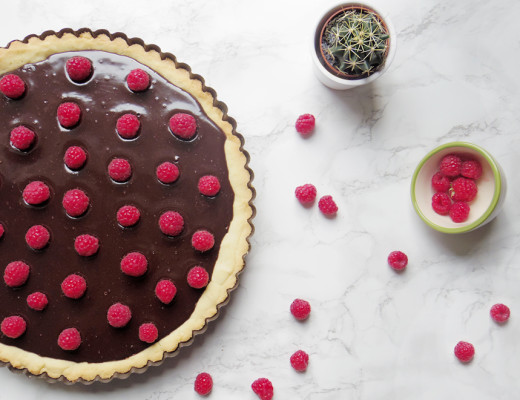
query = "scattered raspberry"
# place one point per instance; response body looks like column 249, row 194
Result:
column 138, row 80
column 79, row 68
column 2, row 231
column 37, row 301
column 471, row 169
column 441, row 203
column 263, row 388
column 397, row 260
column 450, row 165
column 37, row 237
column 500, row 313
column 120, row 170
column 306, row 194
column 75, row 157
column 148, row 332
column 171, row 223
column 459, row 211
column 202, row 241
column 198, row 277
column 300, row 309
column 74, row 286
column 69, row 114
column 327, row 206
column 12, row 86
column 128, row 216
column 75, row 202
column 119, row 315
column 22, row 137
column 16, row 273
column 165, row 291
column 127, row 126
column 300, row 360
column 69, row 339
column 13, row 327
column 203, row 383
column 86, row 245
column 464, row 351
column 440, row 182
column 36, row 192
column 134, row 264
column 209, row 185
column 463, row 189
column 305, row 124
column 167, row 172
column 183, row 125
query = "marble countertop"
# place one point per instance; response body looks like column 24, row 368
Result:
column 373, row 333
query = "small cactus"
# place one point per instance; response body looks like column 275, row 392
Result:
column 355, row 42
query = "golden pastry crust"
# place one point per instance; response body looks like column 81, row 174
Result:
column 235, row 243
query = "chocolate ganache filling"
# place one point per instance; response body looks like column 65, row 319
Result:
column 103, row 98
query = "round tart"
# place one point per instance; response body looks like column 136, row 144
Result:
column 125, row 205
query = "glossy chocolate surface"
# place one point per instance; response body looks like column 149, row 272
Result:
column 104, row 98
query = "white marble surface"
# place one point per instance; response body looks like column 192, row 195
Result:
column 373, row 334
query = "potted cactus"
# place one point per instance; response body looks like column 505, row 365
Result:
column 353, row 45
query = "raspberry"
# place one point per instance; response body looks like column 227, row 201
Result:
column 138, row 80
column 306, row 194
column 79, row 68
column 441, row 203
column 36, row 192
column 183, row 125
column 463, row 189
column 13, row 327
column 37, row 237
column 16, row 273
column 471, row 169
column 459, row 211
column 500, row 313
column 119, row 170
column 327, row 206
column 440, row 182
column 305, row 124
column 397, row 260
column 165, row 291
column 37, row 301
column 69, row 339
column 69, row 114
column 22, row 137
column 127, row 126
column 209, row 185
column 74, row 286
column 300, row 360
column 300, row 309
column 263, row 388
column 75, row 157
column 148, row 332
column 2, row 231
column 171, row 223
column 128, row 216
column 75, row 202
column 12, row 86
column 464, row 351
column 202, row 241
column 86, row 245
column 450, row 165
column 167, row 172
column 118, row 315
column 134, row 264
column 198, row 277
column 203, row 383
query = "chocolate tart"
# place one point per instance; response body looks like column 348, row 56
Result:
column 216, row 149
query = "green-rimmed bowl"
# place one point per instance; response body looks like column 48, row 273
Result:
column 486, row 205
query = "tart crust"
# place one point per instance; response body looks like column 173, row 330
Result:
column 235, row 243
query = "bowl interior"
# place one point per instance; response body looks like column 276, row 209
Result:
column 480, row 207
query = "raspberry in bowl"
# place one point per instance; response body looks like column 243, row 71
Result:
column 458, row 187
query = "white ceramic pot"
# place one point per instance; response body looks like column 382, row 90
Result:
column 328, row 78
